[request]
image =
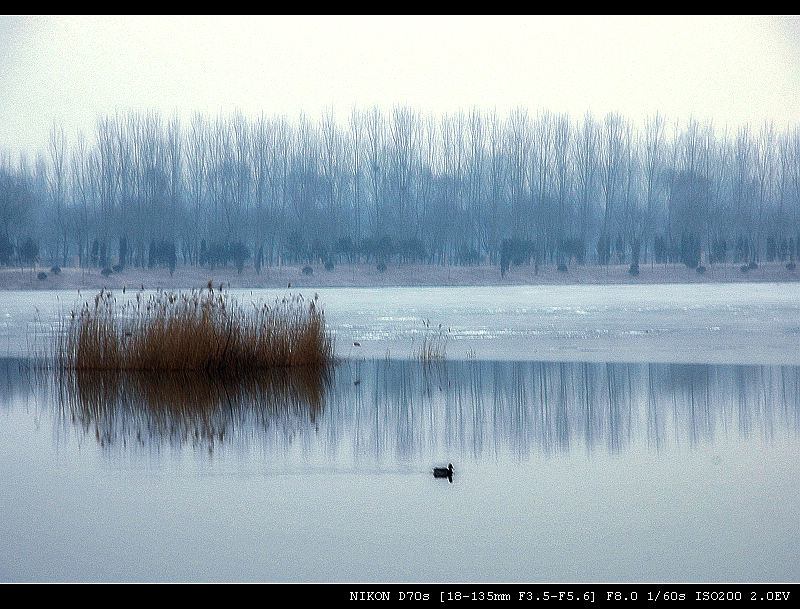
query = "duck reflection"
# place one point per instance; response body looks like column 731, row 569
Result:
column 444, row 472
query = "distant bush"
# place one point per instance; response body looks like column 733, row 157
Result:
column 329, row 266
column 307, row 270
column 742, row 250
column 574, row 248
column 562, row 267
column 216, row 254
column 6, row 250
column 719, row 250
column 660, row 250
column 162, row 253
column 103, row 259
column 744, row 268
column 381, row 267
column 56, row 270
column 752, row 266
column 106, row 272
column 603, row 249
column 690, row 250
column 773, row 249
column 790, row 266
column 259, row 259
column 123, row 252
column 28, row 252
column 516, row 252
column 468, row 256
column 412, row 250
column 42, row 276
column 117, row 268
column 701, row 269
column 345, row 247
column 383, row 249
column 240, row 253
column 634, row 269
column 636, row 247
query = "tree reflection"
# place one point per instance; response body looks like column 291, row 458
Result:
column 411, row 411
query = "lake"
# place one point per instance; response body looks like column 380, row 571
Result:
column 733, row 323
column 624, row 433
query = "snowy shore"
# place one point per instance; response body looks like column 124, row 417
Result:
column 367, row 276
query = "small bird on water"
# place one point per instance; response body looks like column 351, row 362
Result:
column 444, row 472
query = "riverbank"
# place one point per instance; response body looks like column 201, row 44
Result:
column 367, row 276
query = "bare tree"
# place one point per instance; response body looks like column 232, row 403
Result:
column 83, row 194
column 375, row 147
column 197, row 167
column 496, row 185
column 332, row 163
column 652, row 167
column 175, row 180
column 446, row 187
column 356, row 149
column 58, row 187
column 562, row 140
column 612, row 154
column 743, row 190
column 587, row 159
column 518, row 139
column 475, row 180
column 540, row 177
column 404, row 134
column 765, row 171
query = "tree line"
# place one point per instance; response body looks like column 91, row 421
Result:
column 400, row 186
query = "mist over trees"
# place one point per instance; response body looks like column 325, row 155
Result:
column 403, row 187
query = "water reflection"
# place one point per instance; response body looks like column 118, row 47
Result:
column 196, row 408
column 478, row 408
column 410, row 411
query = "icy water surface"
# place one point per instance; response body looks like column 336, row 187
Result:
column 563, row 472
column 757, row 323
column 622, row 433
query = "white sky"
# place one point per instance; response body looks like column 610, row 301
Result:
column 74, row 69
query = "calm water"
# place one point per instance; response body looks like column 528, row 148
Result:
column 563, row 472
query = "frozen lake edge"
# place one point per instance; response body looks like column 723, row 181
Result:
column 719, row 323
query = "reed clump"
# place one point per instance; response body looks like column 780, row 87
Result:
column 433, row 346
column 205, row 330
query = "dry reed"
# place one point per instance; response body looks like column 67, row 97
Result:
column 434, row 344
column 198, row 331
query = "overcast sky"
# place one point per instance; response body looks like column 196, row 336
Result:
column 732, row 69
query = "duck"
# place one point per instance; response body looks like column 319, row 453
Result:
column 444, row 472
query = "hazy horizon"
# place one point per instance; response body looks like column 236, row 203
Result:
column 73, row 70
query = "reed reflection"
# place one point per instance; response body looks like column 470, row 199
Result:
column 151, row 408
